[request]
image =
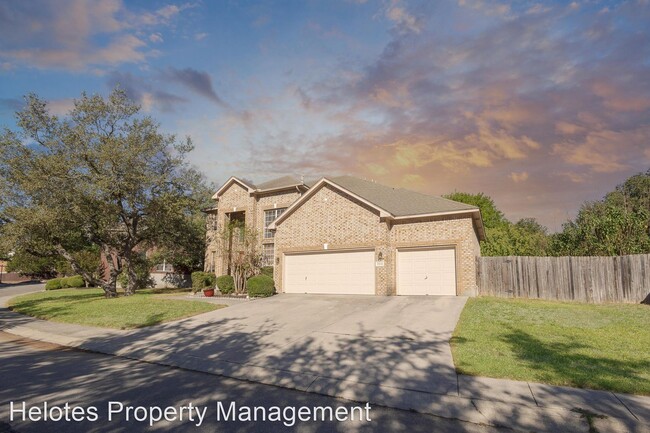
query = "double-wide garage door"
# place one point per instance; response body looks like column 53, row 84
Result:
column 423, row 271
column 430, row 271
column 346, row 272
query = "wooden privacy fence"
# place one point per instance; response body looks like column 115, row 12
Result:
column 584, row 279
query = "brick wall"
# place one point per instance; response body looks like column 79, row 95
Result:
column 237, row 199
column 337, row 219
column 334, row 218
column 452, row 231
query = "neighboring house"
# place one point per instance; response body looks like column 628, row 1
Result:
column 163, row 275
column 344, row 235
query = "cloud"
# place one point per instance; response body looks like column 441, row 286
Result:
column 403, row 20
column 567, row 128
column 519, row 177
column 162, row 15
column 200, row 36
column 198, row 82
column 77, row 35
column 475, row 97
column 11, row 104
column 607, row 151
column 145, row 92
column 156, row 37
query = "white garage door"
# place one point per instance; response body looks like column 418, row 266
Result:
column 426, row 272
column 350, row 272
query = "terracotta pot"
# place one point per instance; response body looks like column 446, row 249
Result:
column 208, row 293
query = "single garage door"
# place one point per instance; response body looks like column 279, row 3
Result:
column 347, row 272
column 430, row 271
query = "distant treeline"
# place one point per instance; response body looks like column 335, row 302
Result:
column 617, row 225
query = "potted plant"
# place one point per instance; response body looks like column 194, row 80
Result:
column 204, row 281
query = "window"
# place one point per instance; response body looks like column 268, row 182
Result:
column 268, row 253
column 270, row 216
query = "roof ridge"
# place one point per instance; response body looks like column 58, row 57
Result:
column 365, row 198
column 409, row 191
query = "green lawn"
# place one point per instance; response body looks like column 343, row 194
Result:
column 89, row 307
column 581, row 345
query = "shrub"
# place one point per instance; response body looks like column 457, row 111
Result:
column 53, row 284
column 75, row 281
column 260, row 286
column 267, row 270
column 202, row 280
column 226, row 284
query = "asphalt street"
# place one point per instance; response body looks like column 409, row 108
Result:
column 35, row 373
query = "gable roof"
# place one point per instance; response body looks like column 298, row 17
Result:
column 284, row 182
column 391, row 203
column 247, row 185
column 399, row 201
column 279, row 183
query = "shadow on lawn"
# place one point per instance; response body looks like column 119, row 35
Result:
column 578, row 369
column 47, row 308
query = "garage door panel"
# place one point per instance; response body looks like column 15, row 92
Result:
column 350, row 272
column 426, row 272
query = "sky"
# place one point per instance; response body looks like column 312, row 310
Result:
column 540, row 105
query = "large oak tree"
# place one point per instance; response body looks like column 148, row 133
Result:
column 104, row 176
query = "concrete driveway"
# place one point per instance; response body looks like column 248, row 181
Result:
column 399, row 342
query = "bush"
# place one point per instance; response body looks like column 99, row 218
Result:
column 75, row 281
column 53, row 284
column 267, row 270
column 260, row 286
column 202, row 280
column 226, row 284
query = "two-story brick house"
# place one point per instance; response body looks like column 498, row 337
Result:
column 344, row 235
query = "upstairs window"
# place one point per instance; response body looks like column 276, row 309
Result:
column 270, row 216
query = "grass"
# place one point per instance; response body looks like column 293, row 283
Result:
column 581, row 345
column 89, row 307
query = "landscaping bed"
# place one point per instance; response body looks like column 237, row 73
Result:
column 89, row 307
column 572, row 344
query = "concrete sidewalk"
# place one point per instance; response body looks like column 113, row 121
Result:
column 521, row 406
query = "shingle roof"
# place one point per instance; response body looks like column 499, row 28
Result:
column 398, row 201
column 280, row 182
column 247, row 183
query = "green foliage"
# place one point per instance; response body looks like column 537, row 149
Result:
column 525, row 238
column 260, row 286
column 141, row 267
column 617, row 225
column 74, row 282
column 267, row 270
column 102, row 177
column 492, row 217
column 240, row 243
column 226, row 284
column 34, row 266
column 202, row 280
column 87, row 259
column 53, row 284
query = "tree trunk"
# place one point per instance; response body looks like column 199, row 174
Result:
column 110, row 289
column 108, row 286
column 114, row 269
column 132, row 278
